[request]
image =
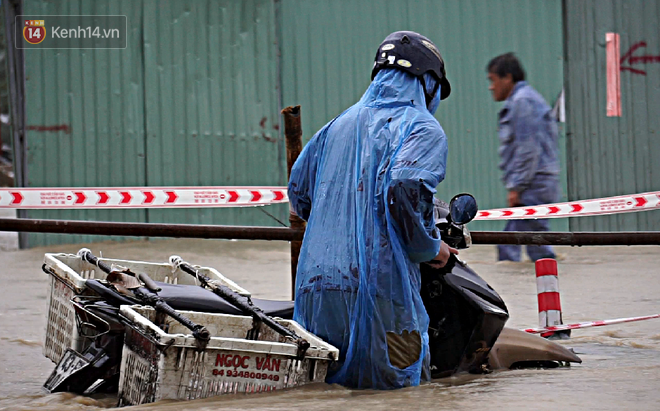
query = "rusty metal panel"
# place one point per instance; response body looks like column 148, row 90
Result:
column 84, row 117
column 613, row 155
column 328, row 49
column 211, row 102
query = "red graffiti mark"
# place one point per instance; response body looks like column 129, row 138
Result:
column 269, row 139
column 628, row 56
column 61, row 127
column 262, row 123
column 632, row 49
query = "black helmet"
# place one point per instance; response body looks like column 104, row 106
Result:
column 414, row 53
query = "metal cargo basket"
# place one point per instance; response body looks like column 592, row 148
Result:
column 159, row 364
column 68, row 274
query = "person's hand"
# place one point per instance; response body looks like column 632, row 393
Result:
column 441, row 259
column 513, row 198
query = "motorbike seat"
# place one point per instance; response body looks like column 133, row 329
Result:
column 194, row 298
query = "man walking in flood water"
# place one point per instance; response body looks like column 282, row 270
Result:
column 529, row 150
column 365, row 184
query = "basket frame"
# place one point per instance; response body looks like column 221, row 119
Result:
column 68, row 273
column 159, row 365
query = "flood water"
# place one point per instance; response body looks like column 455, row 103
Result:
column 620, row 369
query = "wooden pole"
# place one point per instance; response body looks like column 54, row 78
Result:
column 293, row 135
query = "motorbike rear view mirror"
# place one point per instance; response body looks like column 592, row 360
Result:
column 463, row 208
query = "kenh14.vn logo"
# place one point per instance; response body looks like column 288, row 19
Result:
column 34, row 31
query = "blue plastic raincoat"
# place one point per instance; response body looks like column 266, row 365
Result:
column 365, row 184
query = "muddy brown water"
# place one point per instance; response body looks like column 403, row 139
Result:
column 621, row 368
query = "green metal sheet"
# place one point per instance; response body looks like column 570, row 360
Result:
column 195, row 98
column 95, row 99
column 328, row 49
column 192, row 101
column 612, row 155
column 211, row 99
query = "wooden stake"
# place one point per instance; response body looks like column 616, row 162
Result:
column 293, row 135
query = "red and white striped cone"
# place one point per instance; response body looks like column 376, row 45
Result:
column 547, row 290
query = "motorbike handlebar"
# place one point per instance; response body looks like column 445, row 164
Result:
column 455, row 235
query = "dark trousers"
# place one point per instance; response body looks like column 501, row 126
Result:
column 535, row 252
column 545, row 189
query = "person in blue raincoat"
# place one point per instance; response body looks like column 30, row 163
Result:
column 529, row 150
column 365, row 184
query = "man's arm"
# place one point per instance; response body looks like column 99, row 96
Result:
column 303, row 177
column 418, row 168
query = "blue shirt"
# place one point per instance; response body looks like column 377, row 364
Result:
column 529, row 139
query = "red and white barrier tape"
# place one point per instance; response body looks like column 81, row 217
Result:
column 141, row 197
column 589, row 324
column 230, row 196
column 598, row 206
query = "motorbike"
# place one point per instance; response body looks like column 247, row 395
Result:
column 467, row 316
column 466, row 327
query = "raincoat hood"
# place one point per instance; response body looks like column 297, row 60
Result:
column 392, row 88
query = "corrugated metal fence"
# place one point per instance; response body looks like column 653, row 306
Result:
column 328, row 49
column 613, row 155
column 85, row 116
column 211, row 102
column 191, row 101
column 195, row 98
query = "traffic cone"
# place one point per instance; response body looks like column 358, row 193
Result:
column 547, row 290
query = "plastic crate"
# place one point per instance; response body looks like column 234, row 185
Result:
column 158, row 365
column 68, row 273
